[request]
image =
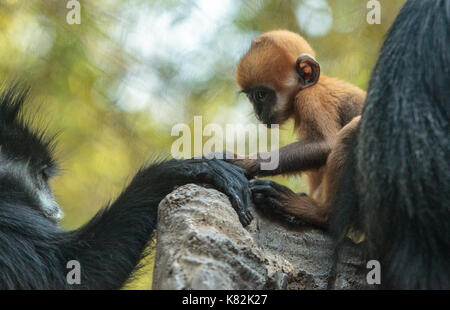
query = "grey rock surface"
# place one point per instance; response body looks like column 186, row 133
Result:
column 202, row 245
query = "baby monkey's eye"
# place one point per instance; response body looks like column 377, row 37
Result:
column 260, row 95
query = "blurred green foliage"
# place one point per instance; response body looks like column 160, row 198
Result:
column 115, row 85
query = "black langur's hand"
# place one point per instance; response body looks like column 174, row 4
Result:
column 250, row 166
column 227, row 178
column 231, row 180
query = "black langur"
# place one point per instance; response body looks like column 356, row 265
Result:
column 34, row 251
column 395, row 184
column 392, row 177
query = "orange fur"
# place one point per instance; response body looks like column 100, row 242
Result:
column 322, row 113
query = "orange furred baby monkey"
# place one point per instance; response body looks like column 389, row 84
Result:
column 282, row 79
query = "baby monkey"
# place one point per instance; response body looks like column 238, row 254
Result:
column 281, row 78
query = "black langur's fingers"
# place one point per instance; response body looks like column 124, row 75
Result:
column 236, row 162
column 224, row 155
column 239, row 190
column 231, row 158
column 230, row 180
column 244, row 188
column 227, row 178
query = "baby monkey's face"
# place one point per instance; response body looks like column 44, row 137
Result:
column 272, row 92
column 270, row 105
column 273, row 71
column 270, row 84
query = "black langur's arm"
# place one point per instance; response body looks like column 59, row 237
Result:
column 117, row 236
column 34, row 253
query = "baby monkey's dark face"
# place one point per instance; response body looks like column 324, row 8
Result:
column 278, row 65
column 264, row 101
column 272, row 92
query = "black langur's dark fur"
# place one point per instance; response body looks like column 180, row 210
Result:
column 399, row 196
column 34, row 252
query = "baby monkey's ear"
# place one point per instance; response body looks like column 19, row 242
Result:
column 308, row 70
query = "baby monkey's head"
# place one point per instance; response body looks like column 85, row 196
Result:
column 277, row 66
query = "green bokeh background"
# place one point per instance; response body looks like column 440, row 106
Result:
column 114, row 85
